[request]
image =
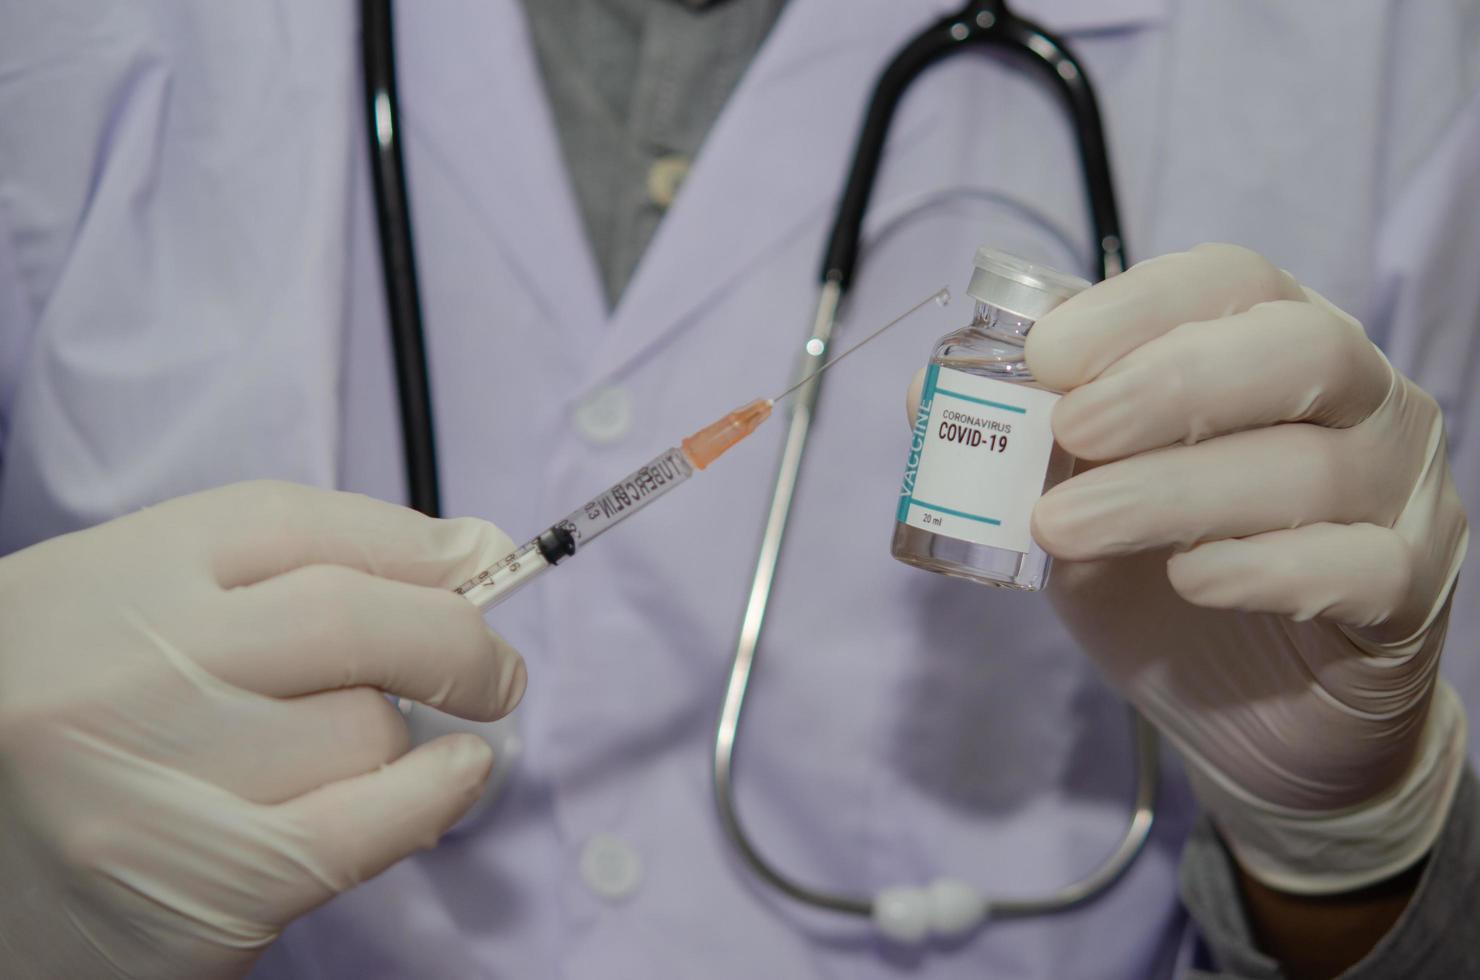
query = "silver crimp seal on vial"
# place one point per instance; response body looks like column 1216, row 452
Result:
column 1018, row 286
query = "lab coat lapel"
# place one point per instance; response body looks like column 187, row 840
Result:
column 476, row 115
column 773, row 164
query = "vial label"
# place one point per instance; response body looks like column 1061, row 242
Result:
column 978, row 458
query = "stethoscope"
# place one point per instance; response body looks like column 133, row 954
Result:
column 945, row 907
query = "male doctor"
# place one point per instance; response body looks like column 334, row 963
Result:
column 619, row 206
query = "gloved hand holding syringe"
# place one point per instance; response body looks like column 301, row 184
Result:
column 640, row 488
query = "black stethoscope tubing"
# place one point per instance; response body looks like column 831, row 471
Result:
column 982, row 25
column 398, row 256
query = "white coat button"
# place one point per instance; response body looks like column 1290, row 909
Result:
column 610, row 866
column 606, row 415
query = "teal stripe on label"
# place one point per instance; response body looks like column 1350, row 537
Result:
column 917, row 442
column 958, row 513
column 981, row 401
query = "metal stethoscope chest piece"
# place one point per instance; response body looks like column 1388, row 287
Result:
column 946, row 907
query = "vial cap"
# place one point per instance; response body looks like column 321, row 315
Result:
column 1018, row 286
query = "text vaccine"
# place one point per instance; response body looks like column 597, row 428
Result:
column 982, row 451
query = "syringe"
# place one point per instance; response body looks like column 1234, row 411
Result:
column 638, row 489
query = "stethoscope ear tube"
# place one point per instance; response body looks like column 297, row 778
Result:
column 979, row 26
column 398, row 255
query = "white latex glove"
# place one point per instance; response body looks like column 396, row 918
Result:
column 1263, row 562
column 194, row 749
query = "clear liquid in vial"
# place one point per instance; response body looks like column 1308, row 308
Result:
column 991, row 347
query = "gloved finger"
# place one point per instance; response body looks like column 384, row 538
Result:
column 356, row 828
column 326, row 626
column 1231, row 487
column 310, row 742
column 268, row 750
column 912, row 397
column 1360, row 575
column 260, row 529
column 1210, row 377
column 1074, row 343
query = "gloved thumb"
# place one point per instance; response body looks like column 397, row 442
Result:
column 912, row 397
column 358, row 827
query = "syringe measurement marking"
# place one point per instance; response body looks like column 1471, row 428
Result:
column 508, row 563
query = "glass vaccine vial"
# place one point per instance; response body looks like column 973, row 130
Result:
column 982, row 451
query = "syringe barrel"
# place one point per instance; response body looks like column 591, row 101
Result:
column 628, row 496
column 502, row 579
column 562, row 539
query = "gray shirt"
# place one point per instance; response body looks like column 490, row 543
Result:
column 635, row 85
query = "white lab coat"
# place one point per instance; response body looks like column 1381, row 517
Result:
column 190, row 295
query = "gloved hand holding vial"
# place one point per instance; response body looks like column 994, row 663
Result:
column 1260, row 558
